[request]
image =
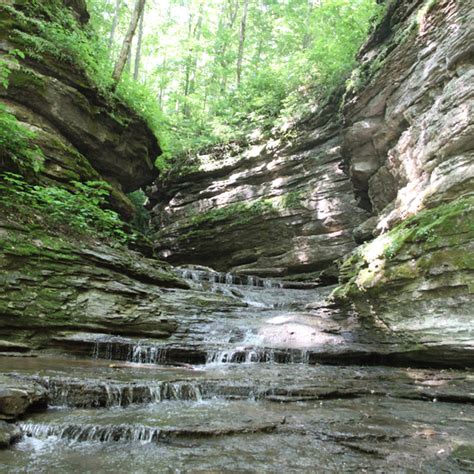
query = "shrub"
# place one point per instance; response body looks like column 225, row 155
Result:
column 76, row 211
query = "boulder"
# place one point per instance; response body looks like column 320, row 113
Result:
column 18, row 396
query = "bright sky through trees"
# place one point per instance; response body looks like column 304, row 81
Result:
column 193, row 53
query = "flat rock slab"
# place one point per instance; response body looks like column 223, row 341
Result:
column 176, row 419
column 96, row 384
column 17, row 396
column 7, row 346
column 375, row 434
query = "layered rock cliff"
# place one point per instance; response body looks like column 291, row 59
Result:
column 398, row 167
column 273, row 208
column 409, row 145
column 84, row 136
column 54, row 283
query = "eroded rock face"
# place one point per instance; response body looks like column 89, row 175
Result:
column 408, row 142
column 18, row 396
column 406, row 138
column 83, row 136
column 8, row 434
column 278, row 208
column 50, row 286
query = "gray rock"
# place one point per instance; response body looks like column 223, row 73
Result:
column 365, row 231
column 8, row 434
column 284, row 207
column 17, row 396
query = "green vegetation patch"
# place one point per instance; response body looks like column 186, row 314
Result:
column 429, row 237
column 47, row 32
column 203, row 225
column 241, row 212
column 58, row 210
column 16, row 141
column 292, row 200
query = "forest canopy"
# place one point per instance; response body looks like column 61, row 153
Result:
column 221, row 69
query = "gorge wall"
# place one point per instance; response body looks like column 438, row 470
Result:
column 284, row 206
column 274, row 208
column 51, row 284
column 409, row 144
column 402, row 151
column 84, row 136
column 393, row 170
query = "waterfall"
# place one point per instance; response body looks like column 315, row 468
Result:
column 87, row 432
column 209, row 275
column 91, row 394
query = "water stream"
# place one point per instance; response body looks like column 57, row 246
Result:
column 254, row 401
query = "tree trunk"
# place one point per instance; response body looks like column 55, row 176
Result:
column 194, row 35
column 127, row 42
column 243, row 26
column 162, row 84
column 139, row 47
column 232, row 16
column 118, row 4
column 197, row 37
column 187, row 68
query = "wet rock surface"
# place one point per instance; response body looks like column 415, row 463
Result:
column 242, row 386
column 51, row 286
column 9, row 433
column 18, row 396
column 382, row 429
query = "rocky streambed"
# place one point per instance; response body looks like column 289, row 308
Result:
column 279, row 380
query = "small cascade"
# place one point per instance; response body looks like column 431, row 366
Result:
column 180, row 391
column 240, row 356
column 146, row 354
column 129, row 351
column 247, row 355
column 202, row 274
column 90, row 394
column 112, row 349
column 87, row 432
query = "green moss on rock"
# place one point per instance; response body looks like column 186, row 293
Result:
column 427, row 242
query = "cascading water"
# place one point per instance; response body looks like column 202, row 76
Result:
column 244, row 369
column 200, row 274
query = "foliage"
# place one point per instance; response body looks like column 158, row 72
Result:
column 141, row 218
column 76, row 211
column 15, row 139
column 424, row 227
column 294, row 52
column 47, row 29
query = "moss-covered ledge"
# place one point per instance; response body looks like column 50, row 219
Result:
column 51, row 283
column 419, row 246
column 417, row 280
column 85, row 131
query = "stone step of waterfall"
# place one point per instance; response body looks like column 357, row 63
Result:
column 154, row 423
column 234, row 347
column 94, row 386
column 198, row 274
column 73, row 392
column 373, row 434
